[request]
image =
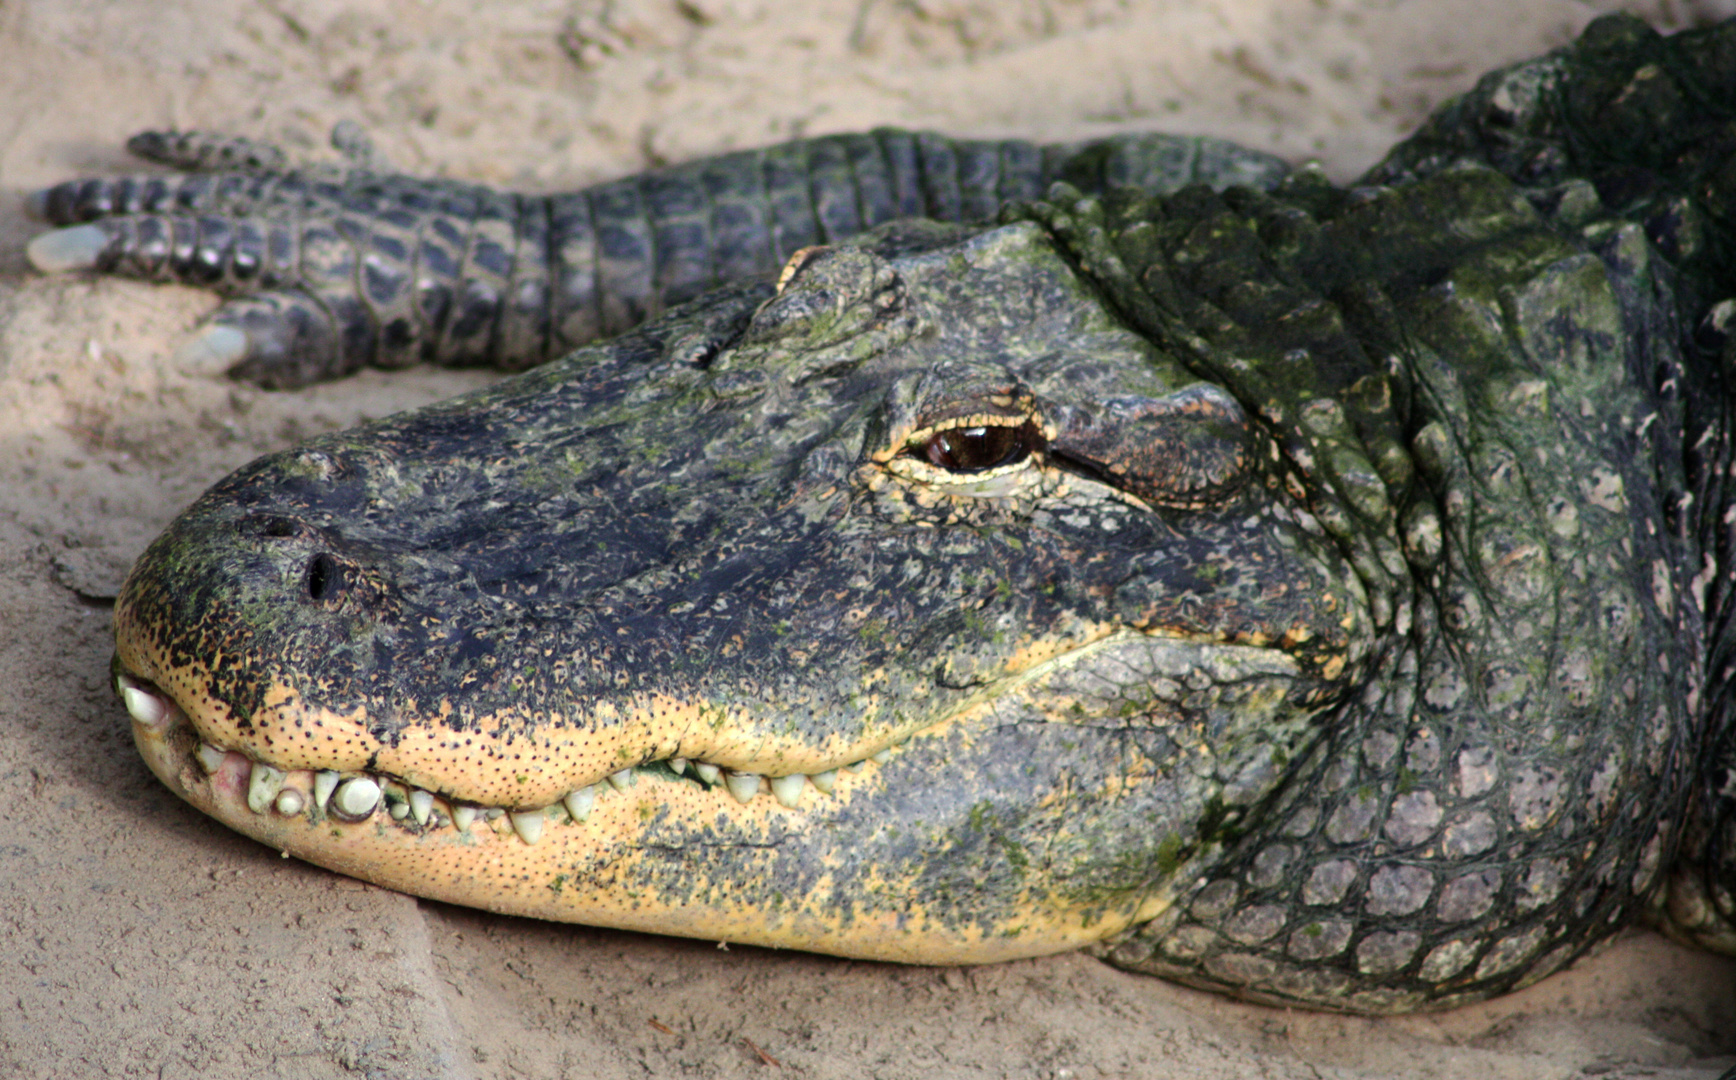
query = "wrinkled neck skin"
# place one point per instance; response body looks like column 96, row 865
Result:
column 1698, row 906
column 1558, row 670
column 1567, row 657
column 1506, row 782
column 1013, row 614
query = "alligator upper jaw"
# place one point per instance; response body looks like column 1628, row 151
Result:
column 354, row 795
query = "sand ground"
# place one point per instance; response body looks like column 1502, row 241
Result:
column 139, row 939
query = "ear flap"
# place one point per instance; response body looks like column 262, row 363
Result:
column 1186, row 450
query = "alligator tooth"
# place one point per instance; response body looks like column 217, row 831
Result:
column 854, row 766
column 679, row 764
column 289, row 802
column 708, row 773
column 580, row 800
column 76, row 248
column 263, row 784
column 622, row 780
column 462, row 816
column 142, row 705
column 881, row 757
column 743, row 785
column 528, row 824
column 356, row 798
column 324, row 783
column 788, row 789
column 211, row 757
column 825, row 781
column 421, row 805
column 493, row 813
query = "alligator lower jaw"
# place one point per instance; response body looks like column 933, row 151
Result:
column 575, row 861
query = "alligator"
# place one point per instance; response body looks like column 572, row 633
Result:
column 1319, row 594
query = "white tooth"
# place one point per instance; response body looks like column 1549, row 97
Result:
column 289, row 802
column 462, row 816
column 144, row 706
column 707, row 772
column 622, row 780
column 493, row 813
column 825, row 781
column 580, row 801
column 528, row 824
column 881, row 757
column 743, row 785
column 324, row 783
column 262, row 787
column 211, row 757
column 679, row 764
column 398, row 810
column 788, row 789
column 854, row 766
column 421, row 805
column 356, row 797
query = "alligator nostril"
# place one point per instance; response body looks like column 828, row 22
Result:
column 325, row 578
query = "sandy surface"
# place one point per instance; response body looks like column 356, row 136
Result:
column 139, row 939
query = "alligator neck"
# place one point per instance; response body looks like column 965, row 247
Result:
column 1708, row 513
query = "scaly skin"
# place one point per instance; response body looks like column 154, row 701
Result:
column 1319, row 595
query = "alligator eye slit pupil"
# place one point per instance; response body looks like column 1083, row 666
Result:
column 979, row 448
column 325, row 578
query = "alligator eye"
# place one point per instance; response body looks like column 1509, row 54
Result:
column 325, row 578
column 980, row 448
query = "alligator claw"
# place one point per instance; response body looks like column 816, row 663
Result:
column 80, row 247
column 216, row 348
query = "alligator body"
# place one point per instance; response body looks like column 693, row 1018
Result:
column 1317, row 594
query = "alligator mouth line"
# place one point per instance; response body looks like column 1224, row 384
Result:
column 357, row 797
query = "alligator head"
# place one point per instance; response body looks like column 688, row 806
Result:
column 919, row 611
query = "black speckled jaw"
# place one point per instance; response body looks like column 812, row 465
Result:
column 915, row 502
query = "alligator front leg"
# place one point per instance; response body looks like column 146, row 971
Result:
column 332, row 268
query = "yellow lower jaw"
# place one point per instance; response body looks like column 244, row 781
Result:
column 596, row 871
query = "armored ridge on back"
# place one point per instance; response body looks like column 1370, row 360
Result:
column 1317, row 594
